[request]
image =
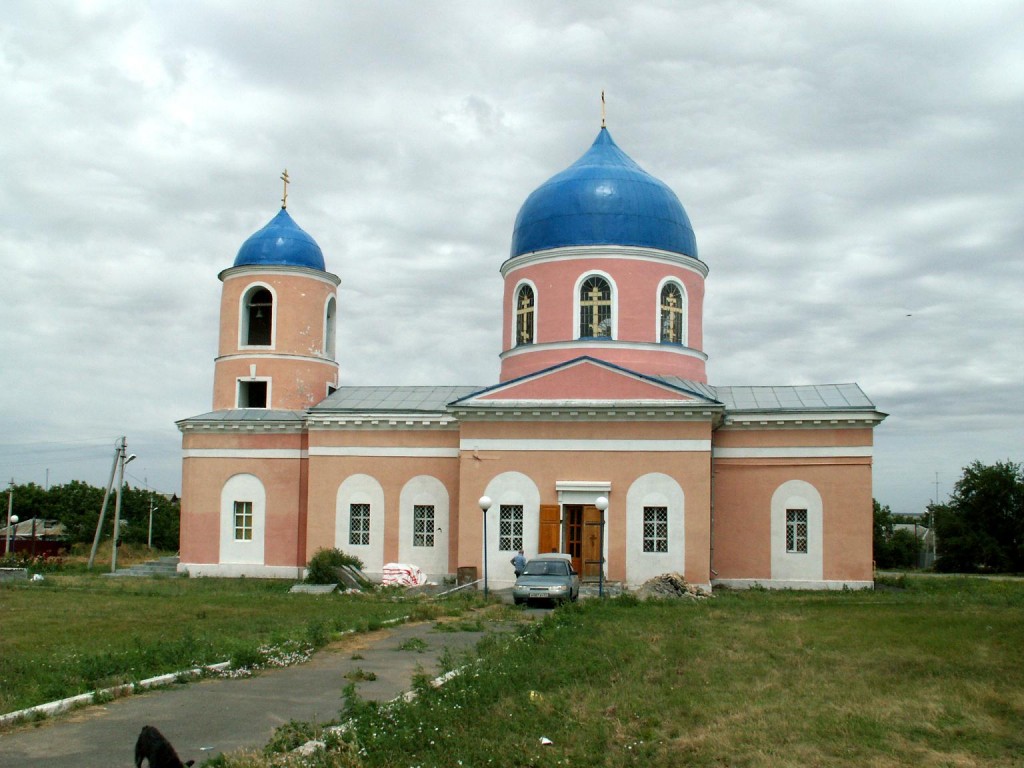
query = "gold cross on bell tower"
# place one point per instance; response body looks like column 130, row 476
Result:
column 284, row 198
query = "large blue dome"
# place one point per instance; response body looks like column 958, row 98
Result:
column 281, row 242
column 604, row 198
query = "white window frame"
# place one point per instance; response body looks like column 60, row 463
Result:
column 425, row 537
column 362, row 530
column 515, row 313
column 248, row 380
column 576, row 306
column 796, row 544
column 661, row 530
column 684, row 336
column 243, row 317
column 513, row 516
column 242, row 520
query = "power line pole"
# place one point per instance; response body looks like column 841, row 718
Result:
column 106, row 498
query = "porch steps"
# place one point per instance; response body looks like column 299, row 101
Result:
column 164, row 566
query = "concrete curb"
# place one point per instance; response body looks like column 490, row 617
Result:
column 127, row 689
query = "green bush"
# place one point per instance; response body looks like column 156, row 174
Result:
column 321, row 567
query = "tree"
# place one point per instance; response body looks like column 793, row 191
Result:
column 893, row 548
column 981, row 527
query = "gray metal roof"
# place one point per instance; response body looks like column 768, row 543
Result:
column 690, row 385
column 391, row 399
column 249, row 414
column 809, row 397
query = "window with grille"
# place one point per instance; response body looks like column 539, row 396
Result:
column 359, row 524
column 524, row 316
column 595, row 308
column 510, row 527
column 796, row 530
column 671, row 314
column 423, row 525
column 655, row 529
column 243, row 521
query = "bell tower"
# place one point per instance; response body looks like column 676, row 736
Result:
column 278, row 311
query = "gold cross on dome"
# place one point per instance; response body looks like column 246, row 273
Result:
column 284, row 198
column 602, row 109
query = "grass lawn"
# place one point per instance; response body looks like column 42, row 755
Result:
column 929, row 675
column 75, row 633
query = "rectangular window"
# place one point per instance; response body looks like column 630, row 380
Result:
column 359, row 524
column 252, row 394
column 796, row 530
column 510, row 527
column 655, row 529
column 423, row 525
column 243, row 521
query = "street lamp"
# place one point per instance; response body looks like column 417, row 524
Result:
column 13, row 520
column 601, row 502
column 485, row 504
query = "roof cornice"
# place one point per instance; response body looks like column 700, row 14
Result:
column 599, row 252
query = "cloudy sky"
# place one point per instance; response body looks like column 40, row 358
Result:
column 853, row 172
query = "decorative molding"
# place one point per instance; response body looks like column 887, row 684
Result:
column 251, row 352
column 555, row 444
column 596, row 252
column 278, row 269
column 794, row 452
column 599, row 346
column 416, row 452
column 820, row 419
column 244, row 453
column 382, row 421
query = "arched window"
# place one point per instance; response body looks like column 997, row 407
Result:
column 524, row 315
column 672, row 314
column 595, row 308
column 329, row 325
column 259, row 318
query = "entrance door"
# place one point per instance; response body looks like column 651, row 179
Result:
column 592, row 548
column 574, row 535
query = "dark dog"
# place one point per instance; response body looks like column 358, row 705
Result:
column 152, row 747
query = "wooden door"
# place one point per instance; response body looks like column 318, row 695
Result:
column 592, row 545
column 550, row 534
column 574, row 534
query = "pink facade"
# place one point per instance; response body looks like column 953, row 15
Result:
column 602, row 394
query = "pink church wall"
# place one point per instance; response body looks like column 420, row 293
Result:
column 300, row 300
column 637, row 302
column 203, row 479
column 328, row 472
column 743, row 489
column 620, row 468
column 588, row 382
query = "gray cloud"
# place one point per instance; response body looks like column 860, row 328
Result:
column 852, row 172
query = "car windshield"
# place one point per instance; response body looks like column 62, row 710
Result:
column 546, row 568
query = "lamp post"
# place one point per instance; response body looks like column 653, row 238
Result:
column 485, row 504
column 12, row 521
column 601, row 502
column 10, row 506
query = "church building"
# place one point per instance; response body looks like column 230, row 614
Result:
column 602, row 437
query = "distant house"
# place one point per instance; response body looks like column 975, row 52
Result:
column 925, row 537
column 35, row 536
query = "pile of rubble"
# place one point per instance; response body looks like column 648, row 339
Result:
column 670, row 585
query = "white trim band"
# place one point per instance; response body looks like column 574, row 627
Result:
column 631, row 446
column 244, row 453
column 795, row 452
column 426, row 452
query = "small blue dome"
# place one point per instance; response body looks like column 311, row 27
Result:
column 604, row 198
column 282, row 242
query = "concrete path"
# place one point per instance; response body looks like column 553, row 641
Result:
column 206, row 718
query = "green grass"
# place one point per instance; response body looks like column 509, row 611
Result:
column 73, row 634
column 932, row 675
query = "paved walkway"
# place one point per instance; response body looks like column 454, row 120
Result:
column 206, row 718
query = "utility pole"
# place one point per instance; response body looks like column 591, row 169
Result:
column 117, row 505
column 149, row 540
column 106, row 498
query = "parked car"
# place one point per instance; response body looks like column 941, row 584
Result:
column 547, row 577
